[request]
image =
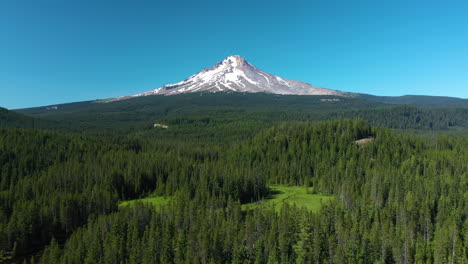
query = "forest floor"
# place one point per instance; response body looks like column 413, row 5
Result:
column 293, row 195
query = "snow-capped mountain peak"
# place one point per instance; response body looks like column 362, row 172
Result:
column 234, row 73
column 234, row 60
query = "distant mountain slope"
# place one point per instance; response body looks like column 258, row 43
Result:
column 199, row 102
column 263, row 109
column 418, row 100
column 12, row 119
column 142, row 112
column 235, row 74
column 56, row 108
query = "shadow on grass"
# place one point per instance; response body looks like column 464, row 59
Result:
column 272, row 193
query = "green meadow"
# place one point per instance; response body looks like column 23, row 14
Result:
column 156, row 201
column 280, row 194
column 293, row 195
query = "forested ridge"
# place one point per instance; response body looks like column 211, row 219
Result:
column 398, row 197
column 13, row 119
column 259, row 111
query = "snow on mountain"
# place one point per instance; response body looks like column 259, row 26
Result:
column 234, row 73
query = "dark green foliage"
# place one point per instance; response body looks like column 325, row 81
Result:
column 52, row 183
column 11, row 119
column 399, row 198
column 247, row 113
column 418, row 100
column 408, row 117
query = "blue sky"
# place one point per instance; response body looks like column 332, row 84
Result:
column 62, row 51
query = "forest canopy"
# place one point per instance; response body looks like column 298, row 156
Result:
column 399, row 197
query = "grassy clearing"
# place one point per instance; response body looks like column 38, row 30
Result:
column 280, row 194
column 157, row 201
column 296, row 195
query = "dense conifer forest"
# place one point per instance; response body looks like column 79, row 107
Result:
column 397, row 196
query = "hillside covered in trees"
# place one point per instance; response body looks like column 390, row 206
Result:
column 397, row 197
column 219, row 110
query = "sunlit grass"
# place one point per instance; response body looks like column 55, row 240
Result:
column 293, row 195
column 157, row 201
column 280, row 194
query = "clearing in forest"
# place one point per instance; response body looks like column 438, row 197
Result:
column 280, row 194
column 293, row 195
column 156, row 201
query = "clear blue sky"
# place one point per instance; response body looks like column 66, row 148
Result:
column 63, row 51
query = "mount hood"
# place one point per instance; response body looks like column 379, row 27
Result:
column 235, row 74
